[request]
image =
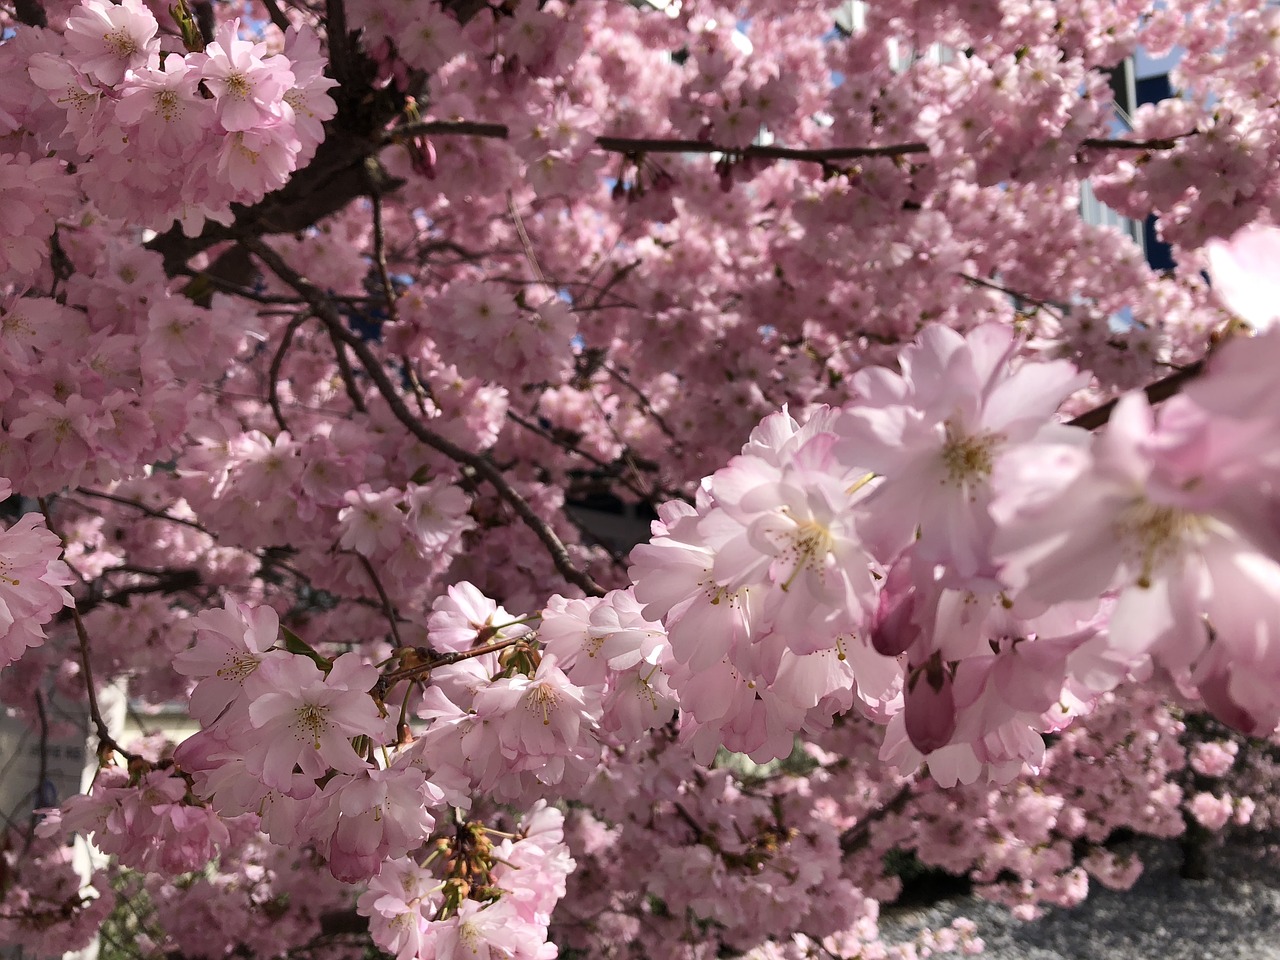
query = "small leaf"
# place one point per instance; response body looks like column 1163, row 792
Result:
column 295, row 644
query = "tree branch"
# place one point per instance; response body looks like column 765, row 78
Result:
column 348, row 375
column 641, row 145
column 138, row 505
column 380, row 256
column 479, row 463
column 420, row 670
column 634, row 146
column 105, row 740
column 30, row 12
column 1156, row 392
column 277, row 15
column 273, row 374
column 387, row 608
column 857, row 836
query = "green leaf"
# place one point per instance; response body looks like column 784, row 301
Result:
column 295, row 644
column 187, row 26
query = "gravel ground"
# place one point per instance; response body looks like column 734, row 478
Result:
column 1234, row 915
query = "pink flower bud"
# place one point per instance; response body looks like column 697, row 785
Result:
column 930, row 707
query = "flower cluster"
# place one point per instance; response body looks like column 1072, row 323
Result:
column 33, row 583
column 351, row 464
column 161, row 135
column 495, row 901
column 149, row 823
column 918, row 533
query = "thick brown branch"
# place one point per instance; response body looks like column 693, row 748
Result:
column 640, row 145
column 30, row 12
column 634, row 146
column 205, row 19
column 1156, row 392
column 277, row 15
column 1158, row 143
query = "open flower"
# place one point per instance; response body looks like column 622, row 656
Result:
column 306, row 718
column 107, row 39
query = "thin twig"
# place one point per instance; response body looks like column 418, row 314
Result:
column 105, row 740
column 565, row 445
column 625, row 456
column 1056, row 310
column 421, row 670
column 618, row 276
column 273, row 374
column 390, row 295
column 344, row 366
column 43, row 715
column 479, row 463
column 136, row 505
column 857, row 836
column 633, row 146
column 525, row 244
column 228, row 286
column 380, row 255
column 387, row 608
column 678, row 445
column 698, row 832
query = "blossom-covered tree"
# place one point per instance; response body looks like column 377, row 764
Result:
column 321, row 323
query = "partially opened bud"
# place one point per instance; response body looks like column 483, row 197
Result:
column 894, row 628
column 422, row 157
column 930, row 706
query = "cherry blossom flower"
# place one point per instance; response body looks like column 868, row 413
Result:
column 372, row 521
column 230, row 644
column 489, row 932
column 33, row 584
column 463, row 618
column 935, row 433
column 302, row 716
column 164, row 105
column 399, row 903
column 1243, row 271
column 247, row 87
column 370, row 817
column 108, row 39
column 1193, row 562
column 437, row 513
